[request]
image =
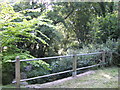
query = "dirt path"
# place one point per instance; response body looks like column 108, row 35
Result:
column 46, row 85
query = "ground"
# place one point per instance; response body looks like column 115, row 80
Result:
column 101, row 78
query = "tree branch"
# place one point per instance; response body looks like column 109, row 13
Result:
column 66, row 16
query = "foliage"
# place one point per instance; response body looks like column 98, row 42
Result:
column 39, row 68
column 104, row 28
column 38, row 29
column 15, row 32
column 61, row 64
column 111, row 46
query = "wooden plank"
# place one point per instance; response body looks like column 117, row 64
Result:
column 89, row 54
column 57, row 57
column 88, row 67
column 17, row 72
column 44, row 76
column 54, row 57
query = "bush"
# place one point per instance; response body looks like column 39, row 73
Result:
column 111, row 46
column 61, row 64
column 39, row 68
column 8, row 69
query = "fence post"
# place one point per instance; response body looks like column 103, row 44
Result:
column 74, row 65
column 111, row 56
column 17, row 72
column 103, row 58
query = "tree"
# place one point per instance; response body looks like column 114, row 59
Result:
column 104, row 28
column 34, row 11
column 16, row 33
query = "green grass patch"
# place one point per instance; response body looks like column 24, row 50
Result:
column 102, row 78
column 9, row 86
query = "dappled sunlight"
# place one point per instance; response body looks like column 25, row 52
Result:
column 100, row 79
column 106, row 76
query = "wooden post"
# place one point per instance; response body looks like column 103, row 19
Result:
column 111, row 62
column 17, row 72
column 103, row 58
column 74, row 65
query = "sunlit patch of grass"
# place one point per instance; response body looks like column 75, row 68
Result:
column 102, row 78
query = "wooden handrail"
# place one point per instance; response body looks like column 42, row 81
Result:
column 58, row 57
column 88, row 67
column 56, row 73
column 17, row 66
column 44, row 76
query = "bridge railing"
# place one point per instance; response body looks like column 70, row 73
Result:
column 74, row 66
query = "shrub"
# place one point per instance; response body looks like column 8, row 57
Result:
column 8, row 69
column 111, row 46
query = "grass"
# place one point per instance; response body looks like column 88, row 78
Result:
column 8, row 86
column 102, row 78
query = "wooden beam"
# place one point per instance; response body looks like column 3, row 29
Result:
column 56, row 73
column 54, row 57
column 88, row 54
column 88, row 67
column 44, row 76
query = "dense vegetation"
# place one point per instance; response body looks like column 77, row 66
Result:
column 41, row 29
